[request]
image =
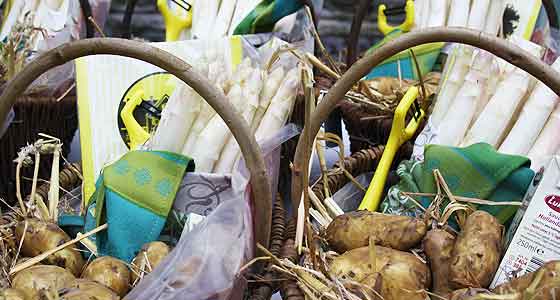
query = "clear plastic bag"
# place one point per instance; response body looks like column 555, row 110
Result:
column 58, row 80
column 206, row 262
column 350, row 196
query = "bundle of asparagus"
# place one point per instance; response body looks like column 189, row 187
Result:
column 263, row 96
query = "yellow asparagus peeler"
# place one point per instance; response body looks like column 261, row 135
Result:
column 175, row 20
column 156, row 87
column 406, row 26
column 136, row 133
column 399, row 135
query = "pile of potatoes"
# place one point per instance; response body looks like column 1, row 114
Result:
column 375, row 251
column 65, row 275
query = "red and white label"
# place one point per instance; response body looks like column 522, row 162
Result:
column 553, row 201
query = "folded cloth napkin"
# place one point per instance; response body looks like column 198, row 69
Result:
column 134, row 196
column 266, row 14
column 477, row 171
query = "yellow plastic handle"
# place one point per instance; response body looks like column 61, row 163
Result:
column 406, row 26
column 399, row 135
column 136, row 133
column 174, row 23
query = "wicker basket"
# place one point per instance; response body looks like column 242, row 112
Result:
column 34, row 115
column 499, row 47
column 260, row 189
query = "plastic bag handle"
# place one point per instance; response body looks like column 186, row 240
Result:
column 500, row 47
column 175, row 66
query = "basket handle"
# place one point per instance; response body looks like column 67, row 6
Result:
column 500, row 47
column 261, row 193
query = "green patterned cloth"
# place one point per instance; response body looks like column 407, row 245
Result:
column 402, row 64
column 477, row 171
column 134, row 196
column 266, row 14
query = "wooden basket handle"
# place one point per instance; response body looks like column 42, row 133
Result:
column 261, row 194
column 499, row 47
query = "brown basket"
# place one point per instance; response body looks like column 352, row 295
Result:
column 499, row 47
column 360, row 162
column 69, row 178
column 262, row 205
column 33, row 115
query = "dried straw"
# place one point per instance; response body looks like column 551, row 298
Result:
column 46, row 254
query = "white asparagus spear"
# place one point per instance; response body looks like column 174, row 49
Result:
column 494, row 18
column 231, row 150
column 477, row 16
column 215, row 67
column 457, row 72
column 426, row 13
column 548, row 142
column 273, row 81
column 536, row 50
column 207, row 112
column 533, row 118
column 494, row 121
column 493, row 79
column 204, row 16
column 212, row 138
column 224, row 18
column 418, row 10
column 179, row 115
column 280, row 107
column 243, row 71
column 459, row 13
column 498, row 113
column 486, row 70
column 438, row 13
column 177, row 119
column 459, row 117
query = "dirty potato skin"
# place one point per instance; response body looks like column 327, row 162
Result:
column 11, row 294
column 42, row 236
column 110, row 272
column 37, row 279
column 393, row 274
column 88, row 290
column 438, row 246
column 468, row 294
column 355, row 229
column 543, row 284
column 477, row 251
column 155, row 252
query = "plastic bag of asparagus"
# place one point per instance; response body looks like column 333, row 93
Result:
column 263, row 87
column 482, row 98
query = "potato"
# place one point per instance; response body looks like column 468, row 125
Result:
column 36, row 280
column 392, row 273
column 148, row 258
column 438, row 246
column 110, row 272
column 477, row 252
column 354, row 230
column 88, row 290
column 469, row 294
column 543, row 284
column 11, row 294
column 42, row 236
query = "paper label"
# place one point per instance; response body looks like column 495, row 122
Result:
column 537, row 239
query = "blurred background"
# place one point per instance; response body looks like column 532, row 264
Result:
column 334, row 24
